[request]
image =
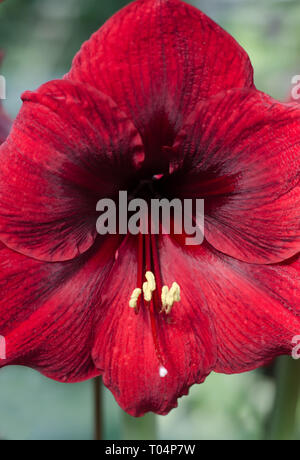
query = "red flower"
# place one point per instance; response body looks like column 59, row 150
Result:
column 158, row 90
column 5, row 122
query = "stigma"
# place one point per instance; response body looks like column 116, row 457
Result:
column 163, row 372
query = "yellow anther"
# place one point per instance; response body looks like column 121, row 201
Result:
column 134, row 298
column 169, row 296
column 151, row 280
column 149, row 286
column 175, row 290
column 164, row 293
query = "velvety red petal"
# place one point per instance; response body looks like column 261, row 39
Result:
column 48, row 311
column 240, row 151
column 157, row 59
column 125, row 352
column 254, row 309
column 259, row 315
column 69, row 147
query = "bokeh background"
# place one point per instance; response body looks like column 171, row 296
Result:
column 40, row 38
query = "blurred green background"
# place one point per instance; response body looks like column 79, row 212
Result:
column 40, row 38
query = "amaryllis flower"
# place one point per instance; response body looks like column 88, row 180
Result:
column 5, row 121
column 159, row 102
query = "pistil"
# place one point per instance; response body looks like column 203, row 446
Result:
column 157, row 297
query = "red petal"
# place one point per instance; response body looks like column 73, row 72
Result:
column 241, row 153
column 261, row 314
column 254, row 309
column 124, row 348
column 69, row 147
column 157, row 59
column 48, row 311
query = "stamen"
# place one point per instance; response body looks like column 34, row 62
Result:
column 164, row 293
column 134, row 298
column 168, row 297
column 175, row 290
column 149, row 286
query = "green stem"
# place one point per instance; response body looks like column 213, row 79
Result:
column 98, row 428
column 283, row 418
column 143, row 428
